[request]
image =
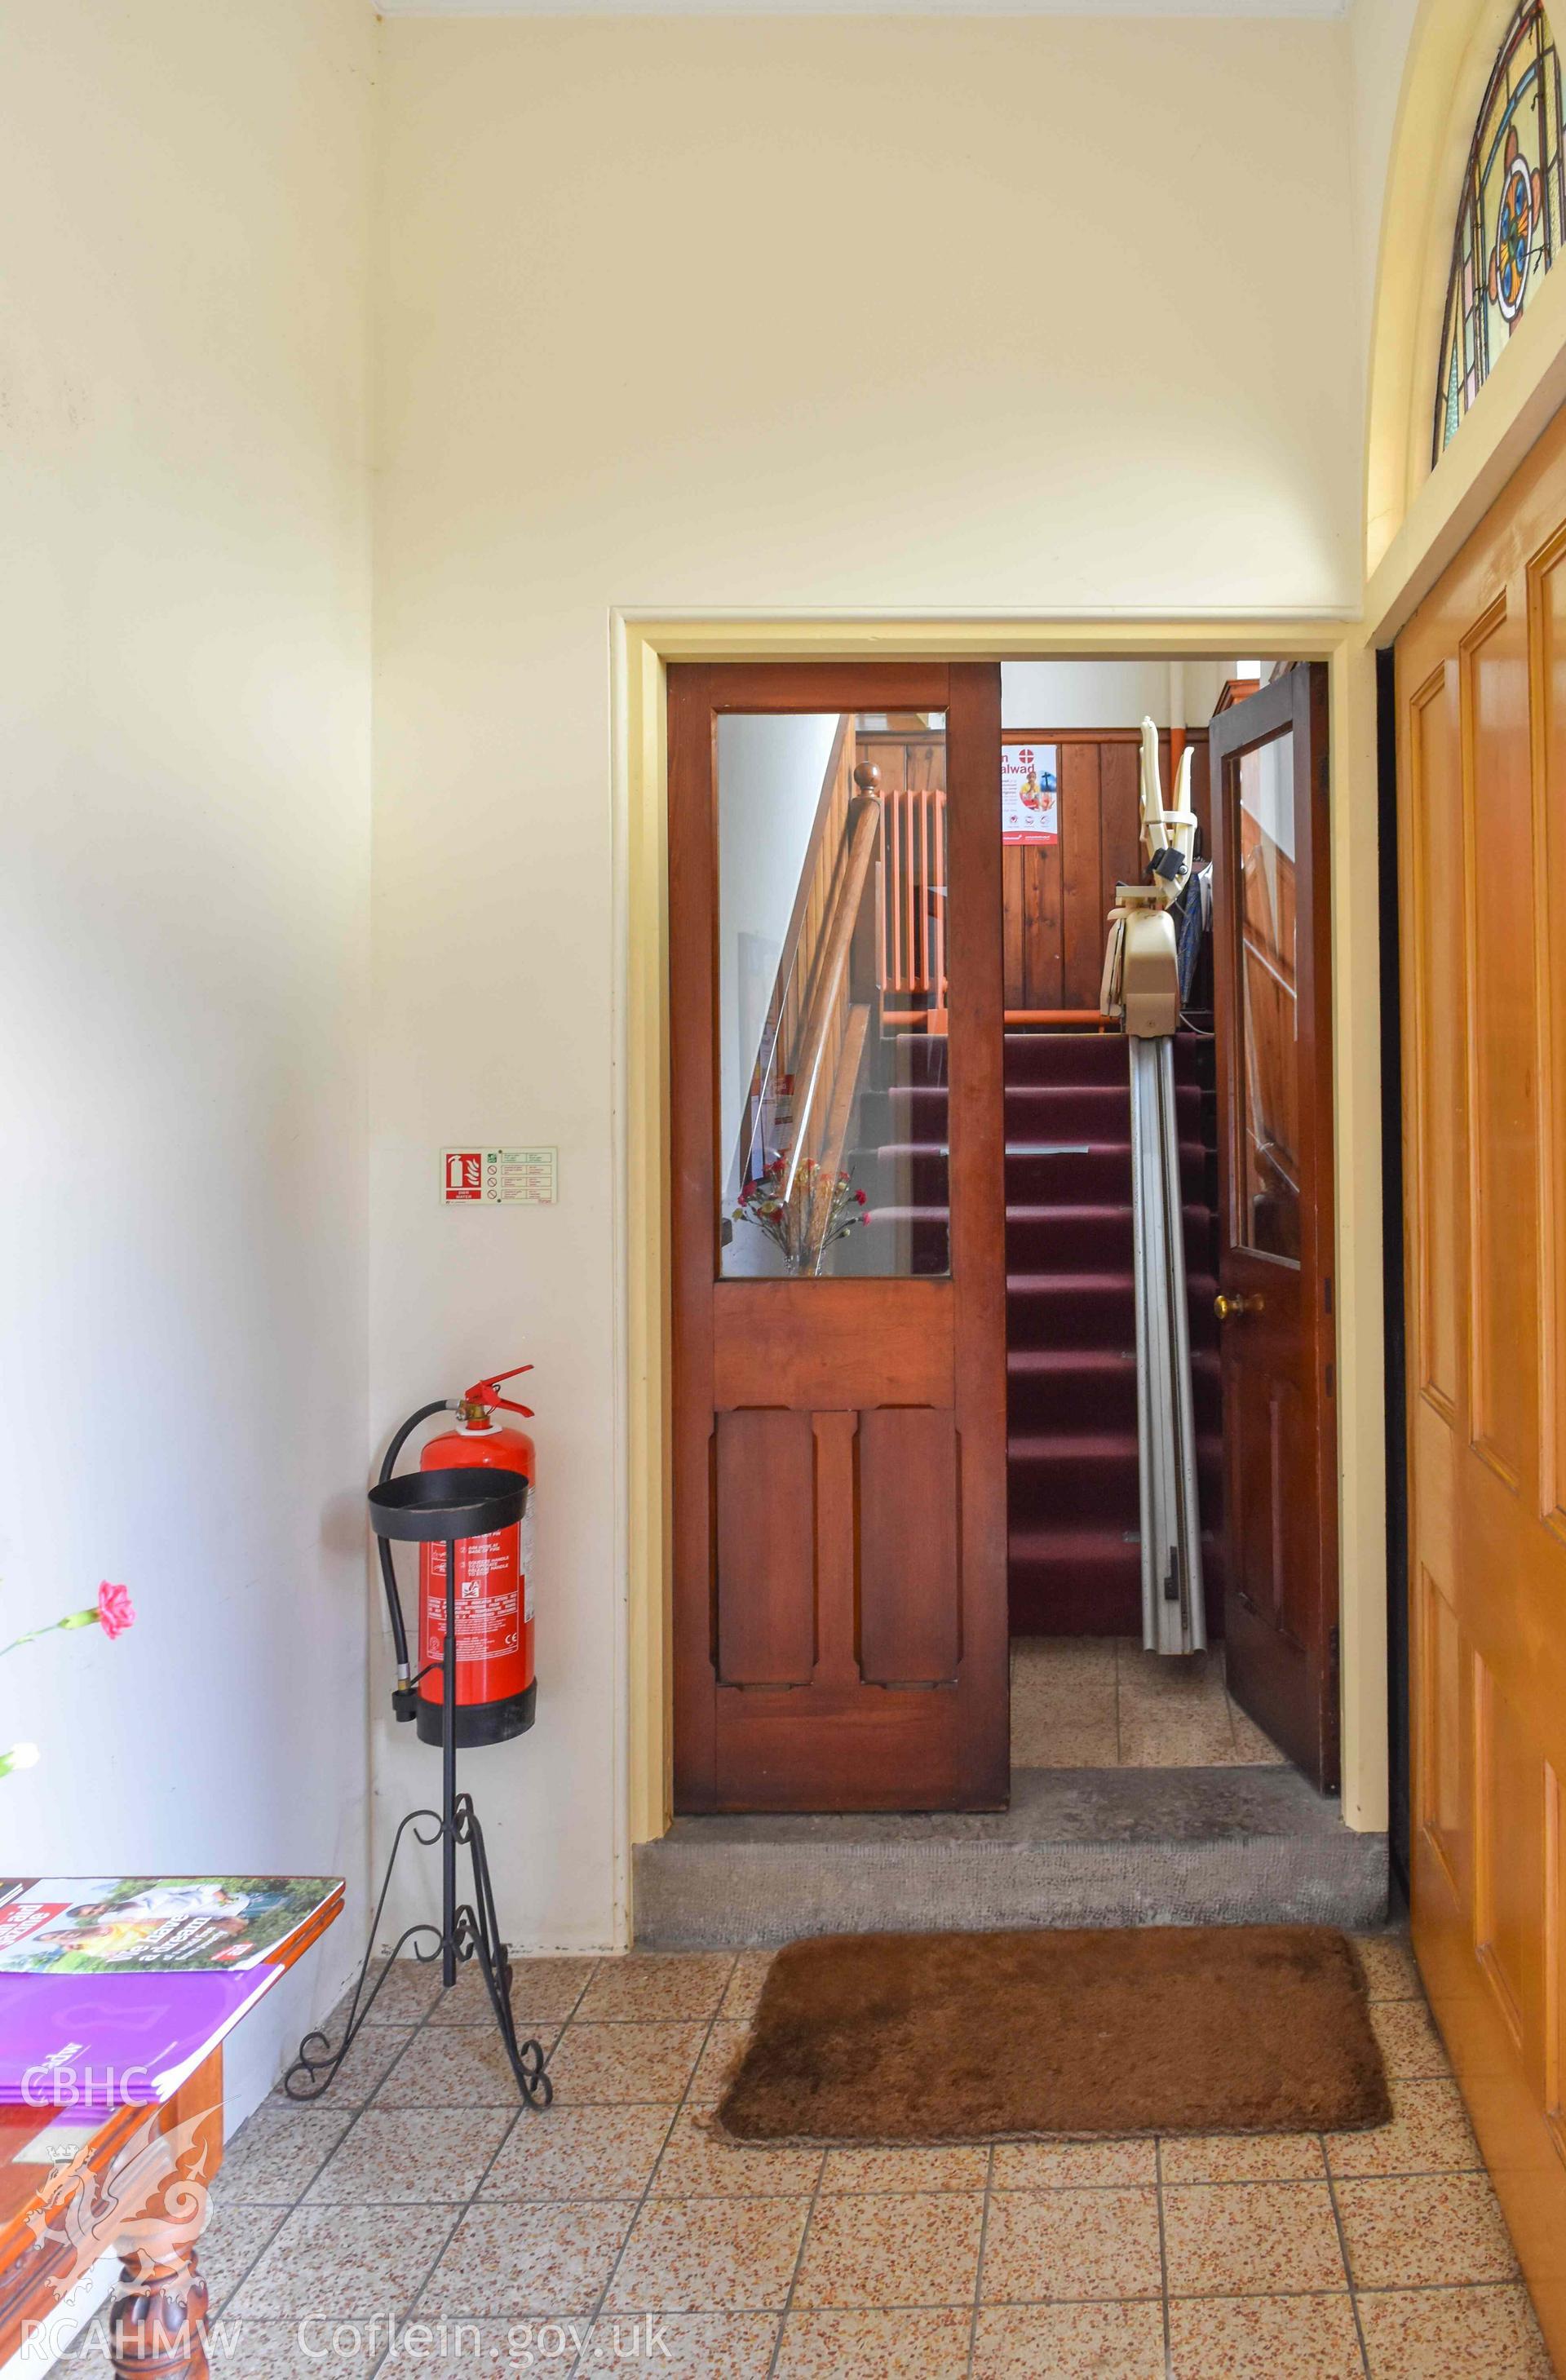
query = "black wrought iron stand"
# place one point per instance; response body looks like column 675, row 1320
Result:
column 428, row 1508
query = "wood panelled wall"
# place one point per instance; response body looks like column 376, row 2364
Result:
column 908, row 753
column 1057, row 896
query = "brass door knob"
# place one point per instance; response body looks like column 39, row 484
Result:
column 1229, row 1309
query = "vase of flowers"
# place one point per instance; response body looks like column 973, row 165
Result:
column 802, row 1218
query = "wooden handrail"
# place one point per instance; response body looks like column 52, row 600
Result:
column 860, row 837
column 850, row 1058
column 811, row 860
column 795, row 948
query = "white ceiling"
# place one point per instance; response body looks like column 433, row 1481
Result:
column 860, row 7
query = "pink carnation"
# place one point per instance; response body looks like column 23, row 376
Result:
column 115, row 1611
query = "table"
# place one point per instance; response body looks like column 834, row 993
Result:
column 73, row 2185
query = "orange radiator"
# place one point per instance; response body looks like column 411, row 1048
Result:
column 911, row 912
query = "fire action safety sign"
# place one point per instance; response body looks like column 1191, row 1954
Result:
column 497, row 1177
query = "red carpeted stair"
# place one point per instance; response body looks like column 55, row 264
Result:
column 1076, row 1562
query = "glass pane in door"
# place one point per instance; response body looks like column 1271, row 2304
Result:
column 1267, row 1208
column 831, row 995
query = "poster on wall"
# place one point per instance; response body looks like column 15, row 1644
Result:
column 1029, row 791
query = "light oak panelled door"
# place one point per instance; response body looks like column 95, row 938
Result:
column 1481, row 692
column 838, row 1240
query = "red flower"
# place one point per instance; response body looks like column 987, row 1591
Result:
column 115, row 1611
column 860, row 1198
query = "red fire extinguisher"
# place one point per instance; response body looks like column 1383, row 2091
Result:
column 496, row 1689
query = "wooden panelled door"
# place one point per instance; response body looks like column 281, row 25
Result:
column 1272, row 980
column 1481, row 734
column 837, row 1241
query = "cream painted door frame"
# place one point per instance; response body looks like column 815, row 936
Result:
column 642, row 645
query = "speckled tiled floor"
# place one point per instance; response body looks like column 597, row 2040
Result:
column 1101, row 1702
column 503, row 2242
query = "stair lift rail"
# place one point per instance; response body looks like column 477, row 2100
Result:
column 1141, row 989
column 1173, row 1614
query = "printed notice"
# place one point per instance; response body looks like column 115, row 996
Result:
column 498, row 1177
column 1029, row 792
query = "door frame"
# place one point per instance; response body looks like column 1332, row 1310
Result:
column 642, row 645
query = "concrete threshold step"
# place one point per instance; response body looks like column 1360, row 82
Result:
column 1078, row 1847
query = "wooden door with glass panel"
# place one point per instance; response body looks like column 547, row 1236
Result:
column 838, row 1241
column 1272, row 975
column 1481, row 712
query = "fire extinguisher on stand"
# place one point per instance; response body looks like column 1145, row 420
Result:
column 474, row 1535
column 496, row 1686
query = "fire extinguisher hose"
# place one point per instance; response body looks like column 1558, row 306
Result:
column 388, row 1573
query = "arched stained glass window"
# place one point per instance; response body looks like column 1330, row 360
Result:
column 1511, row 219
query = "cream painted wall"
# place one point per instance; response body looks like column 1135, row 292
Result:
column 184, row 862
column 1379, row 32
column 1108, row 694
column 761, row 314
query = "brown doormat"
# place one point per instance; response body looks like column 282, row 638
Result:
column 895, row 2037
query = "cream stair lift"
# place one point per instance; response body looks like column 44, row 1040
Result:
column 1141, row 989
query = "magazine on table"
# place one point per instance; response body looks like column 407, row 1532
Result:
column 94, row 2043
column 152, row 1924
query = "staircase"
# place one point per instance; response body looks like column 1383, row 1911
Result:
column 1071, row 1332
column 900, row 1160
column 1071, row 1325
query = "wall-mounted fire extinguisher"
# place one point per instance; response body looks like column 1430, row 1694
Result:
column 496, row 1690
